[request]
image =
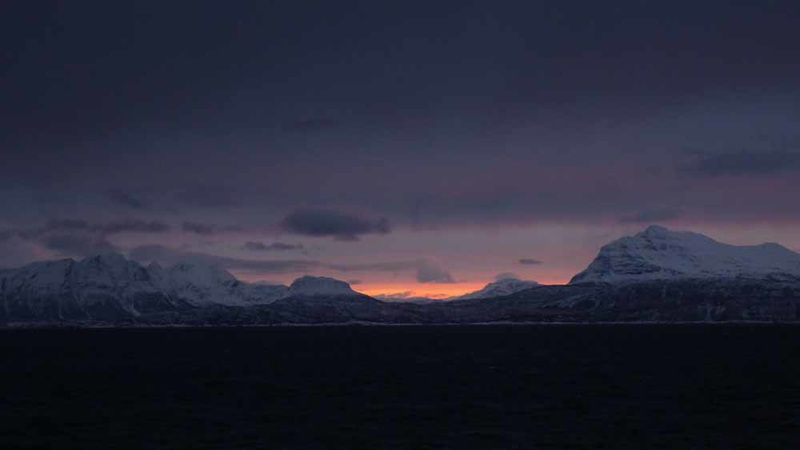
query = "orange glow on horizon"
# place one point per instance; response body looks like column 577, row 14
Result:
column 419, row 289
column 431, row 290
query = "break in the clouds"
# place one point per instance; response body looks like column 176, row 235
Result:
column 426, row 270
column 257, row 246
column 340, row 225
column 529, row 261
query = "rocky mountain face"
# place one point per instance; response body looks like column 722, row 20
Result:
column 655, row 276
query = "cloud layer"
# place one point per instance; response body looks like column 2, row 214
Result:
column 167, row 255
column 426, row 270
column 273, row 247
column 529, row 261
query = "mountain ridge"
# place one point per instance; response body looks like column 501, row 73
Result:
column 656, row 275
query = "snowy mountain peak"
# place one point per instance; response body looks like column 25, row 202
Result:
column 200, row 274
column 315, row 286
column 104, row 265
column 659, row 253
column 655, row 230
column 499, row 288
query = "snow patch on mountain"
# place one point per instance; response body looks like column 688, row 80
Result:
column 661, row 254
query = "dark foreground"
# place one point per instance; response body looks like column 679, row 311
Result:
column 615, row 387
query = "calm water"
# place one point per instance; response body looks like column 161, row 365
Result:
column 616, row 387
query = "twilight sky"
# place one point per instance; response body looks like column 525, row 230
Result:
column 400, row 145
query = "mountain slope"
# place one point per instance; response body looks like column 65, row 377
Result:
column 661, row 254
column 109, row 287
column 656, row 275
column 103, row 287
column 205, row 284
column 499, row 288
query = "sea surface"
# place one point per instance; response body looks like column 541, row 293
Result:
column 360, row 387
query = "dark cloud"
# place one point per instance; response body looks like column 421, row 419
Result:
column 359, row 114
column 744, row 163
column 311, row 124
column 529, row 261
column 123, row 198
column 78, row 237
column 275, row 246
column 506, row 276
column 167, row 255
column 205, row 229
column 332, row 223
column 78, row 245
column 354, row 282
column 427, row 270
column 652, row 216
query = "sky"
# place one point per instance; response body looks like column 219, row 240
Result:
column 403, row 146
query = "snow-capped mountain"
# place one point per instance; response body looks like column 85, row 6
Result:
column 661, row 254
column 207, row 284
column 104, row 286
column 499, row 288
column 111, row 287
column 656, row 275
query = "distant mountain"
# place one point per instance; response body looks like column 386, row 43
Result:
column 503, row 286
column 103, row 287
column 109, row 287
column 661, row 254
column 320, row 286
column 206, row 284
column 499, row 288
column 657, row 275
column 389, row 298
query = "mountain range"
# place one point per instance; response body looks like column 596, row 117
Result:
column 655, row 275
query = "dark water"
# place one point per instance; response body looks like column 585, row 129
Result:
column 615, row 387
